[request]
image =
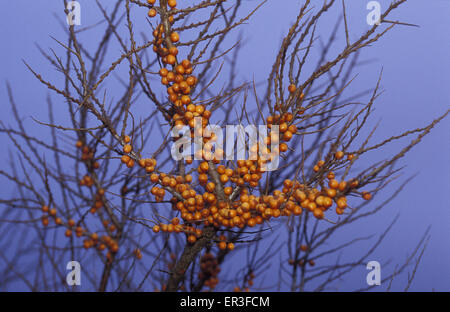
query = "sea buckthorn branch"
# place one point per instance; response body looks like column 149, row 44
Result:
column 362, row 42
column 353, row 156
column 88, row 179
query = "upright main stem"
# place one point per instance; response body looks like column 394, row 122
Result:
column 190, row 252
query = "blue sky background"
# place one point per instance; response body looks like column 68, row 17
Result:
column 416, row 80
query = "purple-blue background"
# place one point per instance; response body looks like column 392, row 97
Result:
column 416, row 63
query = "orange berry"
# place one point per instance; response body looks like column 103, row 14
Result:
column 204, row 166
column 152, row 13
column 163, row 72
column 172, row 3
column 130, row 163
column 185, row 99
column 292, row 88
column 331, row 192
column 342, row 186
column 180, row 69
column 366, row 196
column 297, row 210
column 210, row 187
column 174, row 37
column 222, row 245
column 154, row 178
column 186, row 64
column 341, row 202
column 283, row 127
column 191, row 80
column 138, row 254
column 127, row 148
column 171, row 76
column 191, row 239
column 318, row 213
column 287, row 136
column 293, row 129
column 334, row 184
column 45, row 221
column 171, row 59
column 156, row 228
column 173, row 51
column 339, row 155
column 224, row 178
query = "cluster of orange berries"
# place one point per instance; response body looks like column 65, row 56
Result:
column 50, row 213
column 127, row 149
column 205, row 208
column 91, row 240
column 192, row 233
column 87, row 181
column 88, row 157
column 314, row 200
column 148, row 164
column 178, row 79
column 238, row 289
column 209, row 270
column 102, row 243
column 286, row 127
column 180, row 82
column 98, row 202
column 178, row 184
column 87, row 154
column 152, row 12
column 337, row 189
column 302, row 262
column 247, row 171
column 223, row 244
column 339, row 155
column 248, row 210
column 284, row 120
column 248, row 282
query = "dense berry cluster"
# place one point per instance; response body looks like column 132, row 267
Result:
column 238, row 207
column 209, row 270
column 225, row 197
